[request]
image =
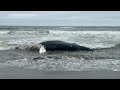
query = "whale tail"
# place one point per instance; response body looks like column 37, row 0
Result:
column 42, row 49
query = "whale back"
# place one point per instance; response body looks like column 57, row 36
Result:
column 63, row 46
column 60, row 45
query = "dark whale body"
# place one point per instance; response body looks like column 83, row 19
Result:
column 57, row 45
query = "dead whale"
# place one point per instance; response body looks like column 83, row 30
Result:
column 56, row 45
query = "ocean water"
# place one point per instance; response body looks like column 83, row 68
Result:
column 105, row 41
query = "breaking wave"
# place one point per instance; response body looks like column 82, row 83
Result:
column 85, row 32
column 24, row 32
column 4, row 32
column 116, row 46
column 32, row 32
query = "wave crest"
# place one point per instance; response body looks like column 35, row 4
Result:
column 116, row 46
column 4, row 32
column 29, row 32
column 25, row 32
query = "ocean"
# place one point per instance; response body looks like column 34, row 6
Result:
column 104, row 39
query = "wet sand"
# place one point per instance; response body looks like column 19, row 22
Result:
column 18, row 73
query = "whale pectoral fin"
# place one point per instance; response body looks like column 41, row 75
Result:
column 42, row 49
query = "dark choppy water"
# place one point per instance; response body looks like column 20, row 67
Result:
column 106, row 41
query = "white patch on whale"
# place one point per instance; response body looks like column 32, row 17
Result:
column 42, row 49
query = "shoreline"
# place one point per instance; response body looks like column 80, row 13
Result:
column 18, row 73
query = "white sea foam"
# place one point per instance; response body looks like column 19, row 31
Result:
column 91, row 39
column 29, row 32
column 4, row 32
column 84, row 32
column 67, row 64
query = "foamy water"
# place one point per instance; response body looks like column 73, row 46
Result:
column 91, row 39
column 64, row 64
column 4, row 32
column 106, row 59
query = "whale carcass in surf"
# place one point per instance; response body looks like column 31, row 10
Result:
column 56, row 45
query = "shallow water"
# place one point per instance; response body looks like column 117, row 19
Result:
column 105, row 41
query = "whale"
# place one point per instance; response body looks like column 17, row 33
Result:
column 56, row 45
